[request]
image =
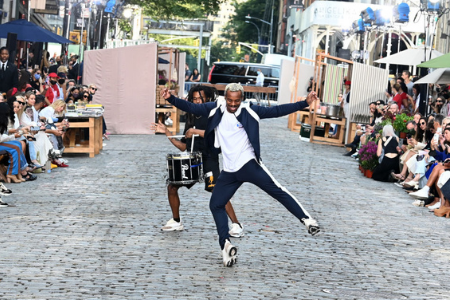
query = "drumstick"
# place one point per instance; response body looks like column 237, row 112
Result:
column 179, row 136
column 192, row 145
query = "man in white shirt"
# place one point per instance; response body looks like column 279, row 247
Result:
column 259, row 82
column 233, row 129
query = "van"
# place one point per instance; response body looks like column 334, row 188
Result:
column 243, row 73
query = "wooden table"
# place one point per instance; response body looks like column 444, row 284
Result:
column 95, row 143
column 338, row 140
column 174, row 115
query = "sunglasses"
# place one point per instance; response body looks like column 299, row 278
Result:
column 20, row 102
column 423, row 123
column 85, row 96
column 94, row 89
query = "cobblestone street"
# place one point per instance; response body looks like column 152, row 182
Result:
column 92, row 231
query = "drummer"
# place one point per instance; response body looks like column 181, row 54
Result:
column 196, row 125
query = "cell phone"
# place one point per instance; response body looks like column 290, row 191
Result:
column 420, row 157
column 35, row 128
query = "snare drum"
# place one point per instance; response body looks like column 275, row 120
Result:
column 184, row 168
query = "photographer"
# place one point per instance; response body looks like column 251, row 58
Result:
column 437, row 105
column 414, row 145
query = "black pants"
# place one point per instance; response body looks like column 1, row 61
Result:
column 383, row 170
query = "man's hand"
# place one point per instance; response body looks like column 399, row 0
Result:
column 57, row 132
column 190, row 133
column 158, row 127
column 311, row 98
column 165, row 93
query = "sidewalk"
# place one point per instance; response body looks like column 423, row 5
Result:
column 92, row 231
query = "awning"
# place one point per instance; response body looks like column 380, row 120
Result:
column 439, row 76
column 409, row 57
column 439, row 62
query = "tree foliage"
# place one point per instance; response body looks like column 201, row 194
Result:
column 177, row 9
column 239, row 31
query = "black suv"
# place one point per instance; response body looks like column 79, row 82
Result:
column 243, row 73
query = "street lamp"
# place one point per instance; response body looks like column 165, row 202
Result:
column 259, row 32
column 268, row 23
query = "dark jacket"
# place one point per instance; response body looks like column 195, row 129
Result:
column 9, row 78
column 247, row 114
column 73, row 73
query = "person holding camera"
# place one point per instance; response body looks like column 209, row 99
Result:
column 55, row 129
column 419, row 142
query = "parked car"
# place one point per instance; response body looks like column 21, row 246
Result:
column 243, row 73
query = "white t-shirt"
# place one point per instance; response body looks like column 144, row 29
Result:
column 260, row 79
column 48, row 113
column 236, row 147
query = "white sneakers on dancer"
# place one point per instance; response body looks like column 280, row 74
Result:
column 311, row 225
column 229, row 254
column 236, row 230
column 172, row 225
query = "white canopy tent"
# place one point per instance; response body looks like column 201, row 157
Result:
column 409, row 57
column 438, row 76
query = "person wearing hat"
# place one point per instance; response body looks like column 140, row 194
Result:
column 53, row 92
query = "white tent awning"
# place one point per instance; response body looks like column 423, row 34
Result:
column 409, row 57
column 438, row 76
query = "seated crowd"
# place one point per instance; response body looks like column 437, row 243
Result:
column 33, row 123
column 420, row 162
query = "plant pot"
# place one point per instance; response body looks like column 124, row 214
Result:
column 361, row 169
column 368, row 173
column 403, row 135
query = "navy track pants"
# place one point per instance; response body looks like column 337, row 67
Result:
column 252, row 172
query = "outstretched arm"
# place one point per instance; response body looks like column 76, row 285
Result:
column 284, row 109
column 196, row 109
column 161, row 128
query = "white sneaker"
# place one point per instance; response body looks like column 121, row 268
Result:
column 168, row 122
column 172, row 225
column 311, row 225
column 435, row 206
column 420, row 194
column 237, row 230
column 3, row 204
column 418, row 203
column 399, row 184
column 4, row 191
column 229, row 254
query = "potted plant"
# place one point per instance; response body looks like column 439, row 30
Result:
column 368, row 158
column 399, row 124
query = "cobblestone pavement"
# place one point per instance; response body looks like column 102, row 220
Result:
column 92, row 231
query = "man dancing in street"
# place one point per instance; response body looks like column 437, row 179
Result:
column 233, row 129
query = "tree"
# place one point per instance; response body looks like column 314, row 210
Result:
column 239, row 31
column 178, row 9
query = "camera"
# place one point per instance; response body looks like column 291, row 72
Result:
column 409, row 136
